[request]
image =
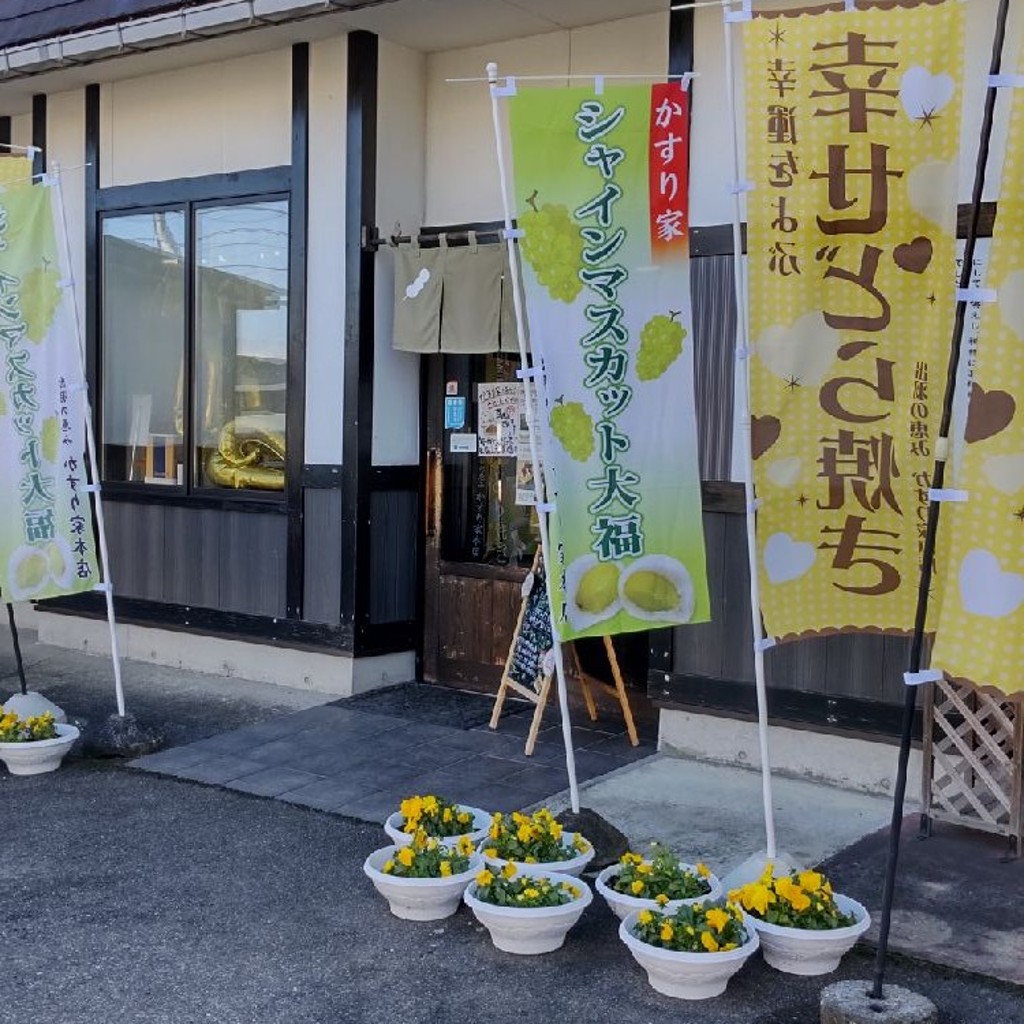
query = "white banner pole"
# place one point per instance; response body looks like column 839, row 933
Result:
column 743, row 354
column 541, row 489
column 90, row 443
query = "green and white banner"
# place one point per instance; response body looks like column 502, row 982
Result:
column 601, row 186
column 46, row 538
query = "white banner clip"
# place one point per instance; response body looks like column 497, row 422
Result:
column 928, row 675
column 598, row 85
column 545, row 506
column 975, row 295
column 753, row 506
column 508, row 233
column 946, row 494
column 529, row 373
column 91, row 488
column 67, row 282
column 738, row 187
column 742, row 351
column 1009, row 81
column 746, row 14
column 508, row 89
column 764, row 644
column 103, row 588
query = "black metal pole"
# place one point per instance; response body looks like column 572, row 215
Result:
column 931, row 530
column 17, row 648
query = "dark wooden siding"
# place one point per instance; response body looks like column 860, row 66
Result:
column 394, row 554
column 230, row 561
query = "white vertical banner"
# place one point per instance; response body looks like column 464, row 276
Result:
column 47, row 546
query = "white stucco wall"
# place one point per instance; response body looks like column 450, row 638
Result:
column 65, row 145
column 325, row 299
column 230, row 115
column 462, row 175
column 401, row 142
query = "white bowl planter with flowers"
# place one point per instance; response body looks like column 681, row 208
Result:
column 533, row 843
column 527, row 913
column 422, row 881
column 34, row 746
column 804, row 927
column 700, row 971
column 660, row 882
column 448, row 822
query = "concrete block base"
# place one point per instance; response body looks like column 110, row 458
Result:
column 339, row 675
column 850, row 1002
column 849, row 762
column 31, row 704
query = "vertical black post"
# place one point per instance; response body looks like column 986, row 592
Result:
column 357, row 436
column 931, row 530
column 5, row 132
column 39, row 133
column 16, row 642
column 92, row 259
column 298, row 215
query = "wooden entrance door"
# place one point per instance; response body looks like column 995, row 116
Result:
column 479, row 543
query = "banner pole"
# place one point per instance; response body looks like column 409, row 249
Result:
column 942, row 449
column 743, row 413
column 90, row 445
column 16, row 643
column 541, row 489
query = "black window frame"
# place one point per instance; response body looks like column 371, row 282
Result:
column 187, row 195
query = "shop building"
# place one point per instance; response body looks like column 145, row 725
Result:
column 283, row 495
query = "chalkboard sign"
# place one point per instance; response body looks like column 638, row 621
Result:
column 532, row 639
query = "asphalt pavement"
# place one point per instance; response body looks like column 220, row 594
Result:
column 133, row 897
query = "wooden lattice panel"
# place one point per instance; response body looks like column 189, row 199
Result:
column 973, row 753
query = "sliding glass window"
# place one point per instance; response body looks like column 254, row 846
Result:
column 144, row 347
column 194, row 347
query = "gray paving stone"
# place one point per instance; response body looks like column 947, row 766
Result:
column 373, row 806
column 485, row 769
column 219, row 770
column 273, row 781
column 172, row 760
column 325, row 794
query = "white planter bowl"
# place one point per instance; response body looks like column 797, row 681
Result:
column 686, row 975
column 623, row 905
column 481, row 825
column 802, row 951
column 570, row 866
column 38, row 756
column 419, row 899
column 531, row 930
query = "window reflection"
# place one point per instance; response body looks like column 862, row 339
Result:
column 241, row 330
column 143, row 306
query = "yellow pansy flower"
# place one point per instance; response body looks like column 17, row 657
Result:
column 661, row 899
column 666, row 932
column 446, row 868
column 703, row 870
column 717, row 918
column 810, row 880
column 446, row 815
column 757, row 897
column 484, row 878
column 709, row 942
column 728, row 946
column 529, row 860
column 465, row 817
column 637, row 887
column 406, row 855
column 524, row 833
column 430, row 805
column 531, row 893
column 556, row 830
column 644, row 868
column 465, row 845
column 509, row 870
column 644, row 917
column 389, row 866
column 800, row 901
column 491, row 851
